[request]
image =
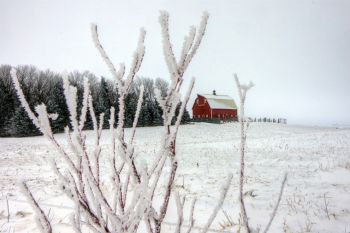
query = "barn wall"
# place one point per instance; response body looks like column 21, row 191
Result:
column 201, row 108
column 225, row 113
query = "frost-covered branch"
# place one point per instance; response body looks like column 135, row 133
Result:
column 116, row 74
column 42, row 219
column 242, row 91
column 274, row 212
column 244, row 124
column 137, row 114
column 180, row 211
column 169, row 104
column 191, row 217
column 85, row 104
column 22, row 98
column 224, row 191
column 183, row 106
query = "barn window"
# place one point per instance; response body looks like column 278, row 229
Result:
column 207, row 115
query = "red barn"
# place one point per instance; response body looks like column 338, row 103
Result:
column 214, row 106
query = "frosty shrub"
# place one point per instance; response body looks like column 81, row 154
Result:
column 244, row 124
column 130, row 197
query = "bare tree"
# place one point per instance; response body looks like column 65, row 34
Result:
column 134, row 183
column 161, row 85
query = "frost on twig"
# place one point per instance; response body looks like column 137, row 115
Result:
column 220, row 202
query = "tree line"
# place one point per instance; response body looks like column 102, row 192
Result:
column 47, row 87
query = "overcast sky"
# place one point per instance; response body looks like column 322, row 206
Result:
column 296, row 52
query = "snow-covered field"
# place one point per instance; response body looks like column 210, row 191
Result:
column 316, row 198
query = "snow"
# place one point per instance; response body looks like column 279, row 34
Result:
column 215, row 104
column 316, row 197
column 217, row 97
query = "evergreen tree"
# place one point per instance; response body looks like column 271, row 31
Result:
column 186, row 118
column 20, row 125
column 57, row 104
column 103, row 103
column 130, row 108
column 47, row 87
column 145, row 118
column 7, row 98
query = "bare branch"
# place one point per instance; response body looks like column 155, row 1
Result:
column 22, row 98
column 191, row 218
column 179, row 206
column 242, row 90
column 137, row 114
column 224, row 191
column 116, row 74
column 187, row 45
column 200, row 34
column 136, row 63
column 183, row 106
column 85, row 104
column 274, row 212
column 42, row 220
column 167, row 46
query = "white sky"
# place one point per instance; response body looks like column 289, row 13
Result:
column 297, row 52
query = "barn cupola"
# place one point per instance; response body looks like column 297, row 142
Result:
column 214, row 92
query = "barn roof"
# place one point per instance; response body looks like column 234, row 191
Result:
column 220, row 101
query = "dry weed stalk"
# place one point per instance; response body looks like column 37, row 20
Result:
column 244, row 124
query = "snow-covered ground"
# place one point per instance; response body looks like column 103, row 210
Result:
column 316, row 198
